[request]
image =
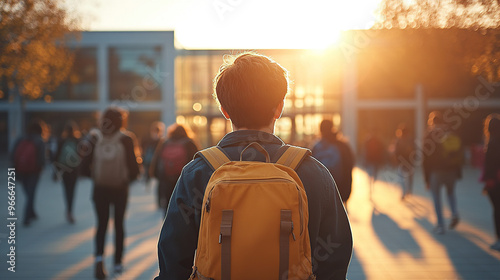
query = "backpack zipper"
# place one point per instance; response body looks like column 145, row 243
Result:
column 301, row 213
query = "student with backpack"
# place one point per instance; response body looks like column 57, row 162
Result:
column 252, row 207
column 67, row 161
column 112, row 164
column 28, row 157
column 170, row 157
column 491, row 170
column 442, row 166
column 336, row 155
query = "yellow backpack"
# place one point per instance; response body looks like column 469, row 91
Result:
column 254, row 219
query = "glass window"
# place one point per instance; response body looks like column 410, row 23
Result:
column 283, row 129
column 81, row 83
column 135, row 73
column 140, row 122
column 198, row 125
column 218, row 128
column 194, row 76
column 307, row 129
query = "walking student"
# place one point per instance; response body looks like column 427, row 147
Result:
column 28, row 157
column 149, row 145
column 374, row 157
column 169, row 159
column 67, row 164
column 404, row 148
column 112, row 165
column 491, row 171
column 312, row 235
column 336, row 155
column 442, row 167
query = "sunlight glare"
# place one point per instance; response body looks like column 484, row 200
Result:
column 285, row 24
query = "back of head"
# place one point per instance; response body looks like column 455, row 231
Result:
column 71, row 130
column 36, row 127
column 177, row 131
column 492, row 127
column 249, row 87
column 113, row 119
column 402, row 131
column 326, row 128
column 435, row 119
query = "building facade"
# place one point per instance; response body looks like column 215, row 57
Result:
column 134, row 70
column 370, row 80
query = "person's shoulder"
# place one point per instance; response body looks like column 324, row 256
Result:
column 195, row 165
column 70, row 139
column 312, row 168
column 317, row 143
column 128, row 139
column 494, row 145
column 189, row 141
column 38, row 140
column 342, row 142
column 316, row 178
column 195, row 174
column 128, row 134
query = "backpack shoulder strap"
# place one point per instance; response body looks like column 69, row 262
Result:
column 214, row 156
column 293, row 156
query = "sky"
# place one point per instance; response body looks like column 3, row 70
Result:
column 232, row 24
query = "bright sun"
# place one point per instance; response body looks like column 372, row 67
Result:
column 239, row 24
column 313, row 24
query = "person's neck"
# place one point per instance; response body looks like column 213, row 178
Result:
column 268, row 129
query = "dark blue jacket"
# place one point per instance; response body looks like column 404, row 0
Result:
column 329, row 228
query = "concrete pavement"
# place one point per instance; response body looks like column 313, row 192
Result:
column 393, row 239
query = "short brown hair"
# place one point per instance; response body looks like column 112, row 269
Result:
column 250, row 86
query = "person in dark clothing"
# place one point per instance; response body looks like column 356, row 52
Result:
column 112, row 163
column 67, row 163
column 336, row 154
column 374, row 157
column 442, row 166
column 491, row 171
column 149, row 145
column 250, row 89
column 403, row 149
column 170, row 157
column 28, row 157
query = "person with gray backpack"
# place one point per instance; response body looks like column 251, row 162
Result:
column 112, row 165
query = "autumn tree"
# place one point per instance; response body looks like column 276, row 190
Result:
column 481, row 16
column 34, row 57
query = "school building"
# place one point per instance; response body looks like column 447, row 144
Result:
column 372, row 80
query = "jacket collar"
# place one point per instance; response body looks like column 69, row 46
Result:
column 242, row 137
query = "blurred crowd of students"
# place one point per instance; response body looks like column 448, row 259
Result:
column 111, row 156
